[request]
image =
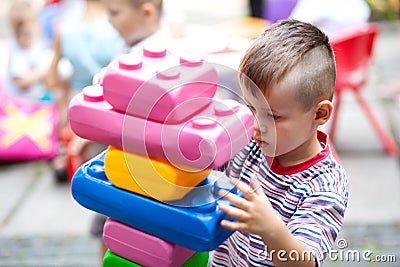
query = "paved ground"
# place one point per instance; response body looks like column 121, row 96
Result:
column 41, row 225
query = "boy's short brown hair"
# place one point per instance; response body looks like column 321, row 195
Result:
column 158, row 4
column 294, row 47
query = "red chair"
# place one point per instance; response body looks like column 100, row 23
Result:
column 353, row 52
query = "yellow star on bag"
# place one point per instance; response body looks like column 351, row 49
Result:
column 34, row 126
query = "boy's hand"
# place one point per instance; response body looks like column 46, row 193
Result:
column 98, row 77
column 255, row 215
column 254, row 212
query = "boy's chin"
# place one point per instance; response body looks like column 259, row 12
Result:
column 267, row 149
column 268, row 152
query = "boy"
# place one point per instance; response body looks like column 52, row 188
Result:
column 29, row 57
column 295, row 192
column 137, row 22
column 87, row 43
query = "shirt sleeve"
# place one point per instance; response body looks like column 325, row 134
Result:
column 318, row 221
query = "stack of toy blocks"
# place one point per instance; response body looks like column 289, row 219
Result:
column 166, row 132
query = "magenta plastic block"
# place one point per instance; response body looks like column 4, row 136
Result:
column 158, row 86
column 192, row 222
column 206, row 140
column 143, row 248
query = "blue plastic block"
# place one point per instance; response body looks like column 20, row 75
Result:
column 192, row 222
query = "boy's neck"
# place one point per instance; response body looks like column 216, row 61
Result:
column 93, row 10
column 302, row 153
column 153, row 31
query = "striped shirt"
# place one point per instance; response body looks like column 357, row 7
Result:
column 311, row 198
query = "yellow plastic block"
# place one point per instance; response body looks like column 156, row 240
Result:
column 150, row 177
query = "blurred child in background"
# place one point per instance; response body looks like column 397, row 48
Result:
column 29, row 57
column 55, row 11
column 88, row 43
column 138, row 22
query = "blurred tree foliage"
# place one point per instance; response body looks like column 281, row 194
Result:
column 384, row 9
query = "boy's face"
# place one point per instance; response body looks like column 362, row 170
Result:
column 126, row 19
column 26, row 34
column 282, row 126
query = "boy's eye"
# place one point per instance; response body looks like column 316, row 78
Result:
column 251, row 108
column 113, row 13
column 274, row 117
column 269, row 114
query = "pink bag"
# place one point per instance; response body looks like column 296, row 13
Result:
column 28, row 129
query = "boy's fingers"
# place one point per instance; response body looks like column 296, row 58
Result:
column 234, row 199
column 98, row 77
column 233, row 225
column 247, row 190
column 236, row 213
column 254, row 184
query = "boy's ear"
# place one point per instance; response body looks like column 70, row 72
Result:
column 148, row 9
column 323, row 112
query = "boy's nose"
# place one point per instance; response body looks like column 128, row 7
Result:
column 259, row 131
column 256, row 134
column 256, row 131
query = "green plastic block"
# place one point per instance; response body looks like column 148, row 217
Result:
column 113, row 260
column 199, row 259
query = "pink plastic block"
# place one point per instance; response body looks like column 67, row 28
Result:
column 158, row 86
column 143, row 248
column 206, row 140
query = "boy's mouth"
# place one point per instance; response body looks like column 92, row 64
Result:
column 261, row 143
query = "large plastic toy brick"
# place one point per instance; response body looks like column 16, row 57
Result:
column 192, row 222
column 113, row 260
column 158, row 86
column 142, row 248
column 207, row 140
column 199, row 259
column 150, row 177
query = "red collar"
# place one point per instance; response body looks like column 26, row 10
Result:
column 287, row 170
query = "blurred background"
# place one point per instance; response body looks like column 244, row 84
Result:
column 41, row 224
